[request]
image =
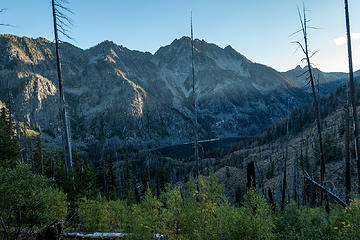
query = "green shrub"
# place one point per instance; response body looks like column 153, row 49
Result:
column 299, row 222
column 200, row 211
column 146, row 217
column 255, row 220
column 347, row 225
column 27, row 200
column 103, row 216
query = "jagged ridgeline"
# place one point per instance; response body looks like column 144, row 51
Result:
column 142, row 99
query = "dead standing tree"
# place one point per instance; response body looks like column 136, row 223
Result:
column 286, row 159
column 305, row 49
column 61, row 23
column 250, row 173
column 347, row 151
column 196, row 140
column 352, row 91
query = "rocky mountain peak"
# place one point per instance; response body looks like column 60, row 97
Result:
column 138, row 98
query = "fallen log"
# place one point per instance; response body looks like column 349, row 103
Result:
column 55, row 231
column 321, row 187
column 95, row 235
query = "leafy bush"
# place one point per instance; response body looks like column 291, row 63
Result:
column 306, row 223
column 103, row 216
column 28, row 201
column 347, row 223
column 200, row 211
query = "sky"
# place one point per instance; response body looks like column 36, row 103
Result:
column 258, row 29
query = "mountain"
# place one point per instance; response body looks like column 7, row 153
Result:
column 328, row 81
column 126, row 97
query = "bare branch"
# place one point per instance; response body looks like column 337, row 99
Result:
column 5, row 24
column 316, row 28
column 64, row 22
column 66, row 9
column 297, row 48
column 295, row 33
column 307, row 83
column 299, row 45
column 313, row 53
column 302, row 74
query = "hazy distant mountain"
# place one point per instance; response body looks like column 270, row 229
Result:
column 329, row 81
column 129, row 97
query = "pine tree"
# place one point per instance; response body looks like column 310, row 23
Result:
column 38, row 155
column 9, row 150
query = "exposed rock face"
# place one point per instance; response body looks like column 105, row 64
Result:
column 132, row 97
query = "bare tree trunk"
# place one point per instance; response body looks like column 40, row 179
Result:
column 283, row 193
column 251, row 180
column 52, row 166
column 285, row 163
column 5, row 230
column 10, row 109
column 305, row 50
column 347, row 154
column 41, row 152
column 196, row 140
column 352, row 91
column 295, row 173
column 18, row 134
column 66, row 128
column 271, row 200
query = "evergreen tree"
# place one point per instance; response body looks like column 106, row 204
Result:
column 38, row 155
column 9, row 150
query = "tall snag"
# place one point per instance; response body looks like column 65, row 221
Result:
column 285, row 162
column 196, row 140
column 347, row 152
column 61, row 22
column 250, row 173
column 305, row 48
column 352, row 91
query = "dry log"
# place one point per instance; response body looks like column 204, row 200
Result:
column 95, row 235
column 321, row 187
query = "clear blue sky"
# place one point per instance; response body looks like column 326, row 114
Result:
column 259, row 29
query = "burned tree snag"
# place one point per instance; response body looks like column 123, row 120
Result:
column 196, row 140
column 271, row 200
column 305, row 49
column 250, row 171
column 347, row 154
column 352, row 91
column 285, row 162
column 66, row 128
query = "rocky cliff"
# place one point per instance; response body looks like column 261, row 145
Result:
column 137, row 98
